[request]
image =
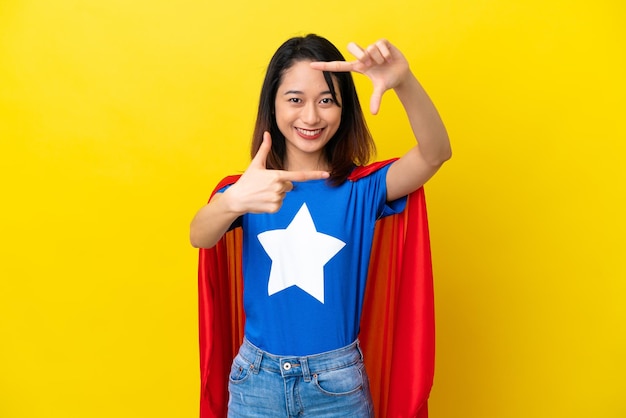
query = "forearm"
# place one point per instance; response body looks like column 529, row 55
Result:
column 211, row 222
column 427, row 126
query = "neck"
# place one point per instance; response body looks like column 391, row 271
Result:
column 314, row 163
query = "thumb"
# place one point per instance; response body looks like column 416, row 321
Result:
column 260, row 159
column 376, row 99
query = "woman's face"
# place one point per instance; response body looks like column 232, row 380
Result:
column 306, row 115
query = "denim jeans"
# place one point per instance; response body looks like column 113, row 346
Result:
column 332, row 384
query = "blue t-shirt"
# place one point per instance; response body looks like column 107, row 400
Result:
column 305, row 267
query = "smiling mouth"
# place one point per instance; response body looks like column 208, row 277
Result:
column 309, row 134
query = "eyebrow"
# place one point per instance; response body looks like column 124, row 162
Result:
column 300, row 92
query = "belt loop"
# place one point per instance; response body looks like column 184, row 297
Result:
column 304, row 363
column 358, row 347
column 257, row 361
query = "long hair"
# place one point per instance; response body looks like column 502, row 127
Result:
column 351, row 145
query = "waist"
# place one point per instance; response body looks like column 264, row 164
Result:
column 301, row 365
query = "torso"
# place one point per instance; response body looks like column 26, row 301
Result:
column 305, row 267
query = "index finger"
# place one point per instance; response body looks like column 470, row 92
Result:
column 304, row 175
column 333, row 66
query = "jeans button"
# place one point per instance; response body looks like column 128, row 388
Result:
column 287, row 365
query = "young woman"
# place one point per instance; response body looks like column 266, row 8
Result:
column 308, row 227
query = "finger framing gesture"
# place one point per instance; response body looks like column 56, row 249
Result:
column 381, row 62
column 262, row 190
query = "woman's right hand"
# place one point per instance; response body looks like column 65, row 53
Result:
column 260, row 190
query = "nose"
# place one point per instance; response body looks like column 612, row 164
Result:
column 310, row 114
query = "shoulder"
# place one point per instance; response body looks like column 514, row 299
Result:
column 226, row 181
column 365, row 170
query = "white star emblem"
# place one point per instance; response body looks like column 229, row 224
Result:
column 298, row 255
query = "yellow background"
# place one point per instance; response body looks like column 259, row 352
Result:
column 118, row 117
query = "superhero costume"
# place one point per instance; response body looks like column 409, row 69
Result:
column 397, row 324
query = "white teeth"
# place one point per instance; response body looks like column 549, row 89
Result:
column 309, row 133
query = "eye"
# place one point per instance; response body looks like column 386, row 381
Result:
column 327, row 101
column 294, row 100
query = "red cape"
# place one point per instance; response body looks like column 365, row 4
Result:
column 397, row 325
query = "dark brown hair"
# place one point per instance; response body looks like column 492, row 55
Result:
column 351, row 145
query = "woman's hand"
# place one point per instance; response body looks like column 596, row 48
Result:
column 260, row 190
column 382, row 62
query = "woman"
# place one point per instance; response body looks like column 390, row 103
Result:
column 308, row 226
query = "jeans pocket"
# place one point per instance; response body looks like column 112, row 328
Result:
column 340, row 382
column 240, row 370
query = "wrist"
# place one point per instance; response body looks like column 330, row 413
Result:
column 230, row 204
column 406, row 83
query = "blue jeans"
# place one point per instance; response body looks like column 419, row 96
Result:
column 332, row 384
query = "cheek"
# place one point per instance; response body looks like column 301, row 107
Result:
column 335, row 118
column 282, row 125
column 280, row 116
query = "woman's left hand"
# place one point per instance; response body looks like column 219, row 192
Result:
column 382, row 62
